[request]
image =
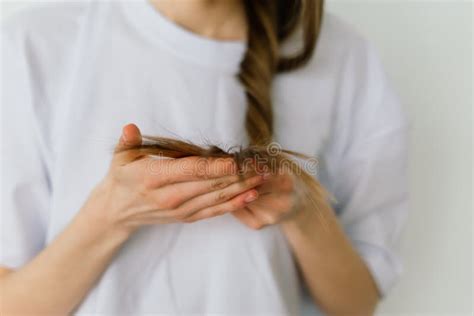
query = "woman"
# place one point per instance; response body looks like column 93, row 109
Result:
column 84, row 235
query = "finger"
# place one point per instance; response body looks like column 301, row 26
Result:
column 161, row 216
column 266, row 215
column 277, row 184
column 161, row 172
column 219, row 196
column 203, row 201
column 131, row 137
column 247, row 218
column 213, row 198
column 232, row 205
column 275, row 202
column 173, row 195
column 265, row 188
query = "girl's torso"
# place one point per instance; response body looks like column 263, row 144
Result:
column 112, row 63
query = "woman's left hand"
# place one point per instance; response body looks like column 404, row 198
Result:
column 277, row 202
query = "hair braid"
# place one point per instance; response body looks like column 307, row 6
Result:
column 258, row 68
column 270, row 22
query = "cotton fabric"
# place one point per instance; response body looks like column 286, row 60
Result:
column 74, row 73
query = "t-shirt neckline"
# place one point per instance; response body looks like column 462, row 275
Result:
column 218, row 54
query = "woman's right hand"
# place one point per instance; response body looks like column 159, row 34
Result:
column 156, row 191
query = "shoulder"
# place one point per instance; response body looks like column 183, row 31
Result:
column 363, row 99
column 342, row 52
column 366, row 97
column 340, row 32
column 41, row 38
column 350, row 59
column 37, row 46
column 45, row 19
column 44, row 33
column 341, row 45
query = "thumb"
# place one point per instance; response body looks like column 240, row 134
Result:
column 130, row 138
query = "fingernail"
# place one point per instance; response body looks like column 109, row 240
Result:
column 252, row 196
column 266, row 176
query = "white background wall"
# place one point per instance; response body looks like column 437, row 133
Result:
column 427, row 49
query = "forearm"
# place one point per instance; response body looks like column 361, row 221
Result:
column 337, row 277
column 55, row 281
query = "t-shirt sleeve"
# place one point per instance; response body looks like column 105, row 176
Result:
column 25, row 184
column 366, row 164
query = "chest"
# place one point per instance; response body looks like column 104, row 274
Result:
column 167, row 97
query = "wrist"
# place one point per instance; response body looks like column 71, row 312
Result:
column 95, row 220
column 311, row 219
column 298, row 221
column 97, row 227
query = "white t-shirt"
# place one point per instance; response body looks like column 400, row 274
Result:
column 73, row 74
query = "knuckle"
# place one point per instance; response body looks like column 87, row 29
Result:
column 250, row 182
column 180, row 217
column 170, row 202
column 237, row 203
column 181, row 214
column 256, row 226
column 235, row 179
column 218, row 184
column 142, row 191
column 200, row 173
column 200, row 168
column 221, row 196
column 218, row 212
column 157, row 205
column 242, row 185
column 189, row 220
column 149, row 183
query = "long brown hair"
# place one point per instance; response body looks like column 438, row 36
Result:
column 270, row 23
